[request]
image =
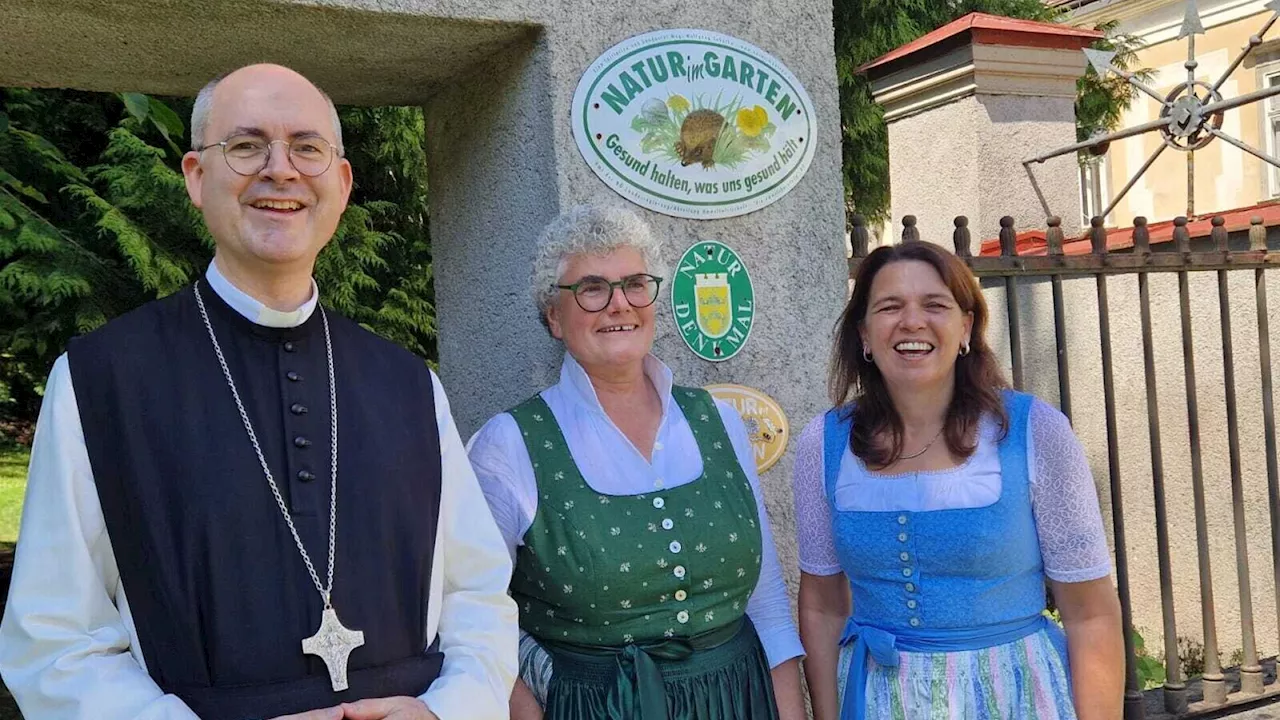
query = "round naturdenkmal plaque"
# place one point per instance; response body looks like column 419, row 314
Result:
column 712, row 300
column 694, row 124
column 767, row 426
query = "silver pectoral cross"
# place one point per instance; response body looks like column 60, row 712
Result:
column 333, row 643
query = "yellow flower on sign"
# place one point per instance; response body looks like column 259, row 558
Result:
column 751, row 121
column 678, row 103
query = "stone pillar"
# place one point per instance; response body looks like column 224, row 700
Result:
column 493, row 185
column 966, row 105
column 509, row 163
column 504, row 161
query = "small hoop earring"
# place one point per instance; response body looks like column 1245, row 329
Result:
column 964, row 349
column 866, row 356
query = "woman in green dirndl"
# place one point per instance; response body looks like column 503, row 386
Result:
column 645, row 570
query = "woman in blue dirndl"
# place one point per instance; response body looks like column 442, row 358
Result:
column 933, row 504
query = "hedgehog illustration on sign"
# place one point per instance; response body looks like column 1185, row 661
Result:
column 698, row 136
column 715, row 136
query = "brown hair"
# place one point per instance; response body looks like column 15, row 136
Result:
column 856, row 383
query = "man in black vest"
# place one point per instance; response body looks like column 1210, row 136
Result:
column 282, row 494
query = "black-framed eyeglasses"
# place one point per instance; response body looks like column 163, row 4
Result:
column 593, row 293
column 310, row 155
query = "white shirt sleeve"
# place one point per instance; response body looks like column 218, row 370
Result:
column 769, row 606
column 477, row 619
column 1064, row 500
column 501, row 462
column 65, row 646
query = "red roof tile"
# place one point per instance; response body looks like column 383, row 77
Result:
column 995, row 29
column 1032, row 242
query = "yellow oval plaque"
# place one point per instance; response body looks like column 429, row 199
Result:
column 766, row 423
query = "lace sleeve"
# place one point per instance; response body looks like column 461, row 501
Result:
column 1064, row 500
column 813, row 511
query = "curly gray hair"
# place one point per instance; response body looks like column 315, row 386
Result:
column 592, row 230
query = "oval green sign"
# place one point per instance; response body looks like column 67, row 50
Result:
column 712, row 300
column 693, row 123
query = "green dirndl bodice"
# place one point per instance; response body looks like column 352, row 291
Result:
column 641, row 599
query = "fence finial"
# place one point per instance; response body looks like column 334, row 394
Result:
column 1181, row 236
column 1219, row 233
column 961, row 237
column 1141, row 236
column 859, row 236
column 1097, row 235
column 1008, row 237
column 910, row 233
column 1257, row 233
column 1053, row 236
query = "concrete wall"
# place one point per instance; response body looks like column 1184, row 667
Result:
column 926, row 154
column 485, row 197
column 493, row 351
column 496, row 78
column 965, row 158
column 1018, row 128
column 1039, row 351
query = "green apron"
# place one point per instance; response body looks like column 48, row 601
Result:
column 641, row 599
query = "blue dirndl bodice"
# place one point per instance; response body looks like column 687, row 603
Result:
column 942, row 580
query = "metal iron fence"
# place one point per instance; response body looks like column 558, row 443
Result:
column 1141, row 261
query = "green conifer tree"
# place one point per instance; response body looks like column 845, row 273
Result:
column 867, row 29
column 95, row 221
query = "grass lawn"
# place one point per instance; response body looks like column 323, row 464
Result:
column 13, row 483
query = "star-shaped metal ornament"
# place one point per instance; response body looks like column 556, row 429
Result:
column 1101, row 59
column 1191, row 24
column 1190, row 116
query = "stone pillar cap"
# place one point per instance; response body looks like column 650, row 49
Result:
column 979, row 54
column 982, row 29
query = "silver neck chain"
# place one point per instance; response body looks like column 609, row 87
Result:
column 924, row 449
column 327, row 589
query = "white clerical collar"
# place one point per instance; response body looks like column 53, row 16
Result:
column 255, row 311
column 574, row 377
